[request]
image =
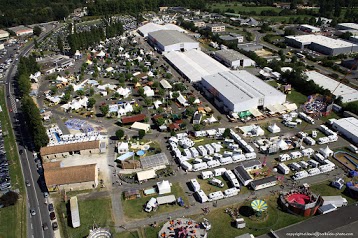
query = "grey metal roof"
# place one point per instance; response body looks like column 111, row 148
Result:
column 240, row 86
column 170, row 37
column 230, row 55
column 242, row 172
column 250, row 163
column 263, row 181
column 154, row 161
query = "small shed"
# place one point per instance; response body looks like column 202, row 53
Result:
column 131, row 194
column 140, row 126
column 146, row 174
column 164, row 187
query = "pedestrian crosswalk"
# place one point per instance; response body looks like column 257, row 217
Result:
column 13, row 104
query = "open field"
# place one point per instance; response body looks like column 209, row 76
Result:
column 296, row 97
column 324, row 189
column 133, row 209
column 239, row 8
column 12, row 219
column 94, row 211
column 208, row 188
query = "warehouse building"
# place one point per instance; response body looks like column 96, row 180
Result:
column 233, row 59
column 309, row 28
column 348, row 94
column 348, row 26
column 322, row 44
column 4, row 35
column 194, row 64
column 348, row 127
column 62, row 151
column 70, row 178
column 152, row 27
column 238, row 91
column 21, row 30
column 171, row 40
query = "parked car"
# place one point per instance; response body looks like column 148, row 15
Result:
column 54, row 226
column 28, row 183
column 32, row 212
column 50, row 207
column 45, row 226
column 52, row 215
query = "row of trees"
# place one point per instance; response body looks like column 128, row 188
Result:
column 31, row 113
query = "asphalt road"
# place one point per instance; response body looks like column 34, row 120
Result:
column 35, row 197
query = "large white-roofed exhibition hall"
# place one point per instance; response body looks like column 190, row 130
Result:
column 348, row 94
column 171, row 40
column 239, row 91
column 348, row 127
column 194, row 64
column 322, row 44
column 152, row 27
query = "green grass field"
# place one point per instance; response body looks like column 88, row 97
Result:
column 94, row 211
column 12, row 219
column 239, row 8
column 296, row 97
column 133, row 209
column 324, row 189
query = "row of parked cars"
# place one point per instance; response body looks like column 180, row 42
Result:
column 5, row 181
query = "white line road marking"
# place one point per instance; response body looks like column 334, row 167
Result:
column 31, row 226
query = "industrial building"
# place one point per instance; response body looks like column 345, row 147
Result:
column 21, row 30
column 64, row 150
column 348, row 94
column 238, row 91
column 351, row 27
column 348, row 127
column 322, row 44
column 309, row 28
column 250, row 47
column 171, row 40
column 70, row 178
column 4, row 35
column 233, row 59
column 215, row 27
column 194, row 64
column 152, row 27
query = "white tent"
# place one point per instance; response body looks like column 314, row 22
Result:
column 164, row 187
column 274, row 128
column 145, row 175
column 326, row 152
column 101, row 54
column 282, row 145
column 109, row 69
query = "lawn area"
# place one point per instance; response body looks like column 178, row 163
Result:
column 94, row 211
column 208, row 188
column 12, row 219
column 222, row 222
column 324, row 189
column 133, row 209
column 296, row 97
column 127, row 234
column 330, row 116
column 204, row 141
column 238, row 7
column 280, row 19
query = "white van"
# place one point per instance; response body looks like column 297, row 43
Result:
column 195, row 185
column 215, row 196
column 216, row 182
column 151, row 204
column 231, row 192
column 207, row 174
column 225, row 160
column 219, row 172
column 201, row 166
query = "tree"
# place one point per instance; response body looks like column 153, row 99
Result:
column 91, row 102
column 53, row 89
column 148, row 101
column 104, row 109
column 191, row 99
column 91, row 91
column 219, row 118
column 226, row 133
column 8, row 199
column 60, row 44
column 175, row 95
column 119, row 134
column 141, row 134
column 80, row 93
column 160, row 121
column 37, row 31
column 36, row 44
column 197, row 127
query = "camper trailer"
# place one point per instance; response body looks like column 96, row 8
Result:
column 250, row 156
column 213, row 163
column 225, row 160
column 319, row 158
column 323, row 140
column 307, row 152
column 229, row 175
column 303, row 164
column 210, row 150
column 309, row 140
column 194, row 152
column 231, row 192
column 284, row 157
column 215, row 196
column 187, row 153
column 195, row 185
column 151, row 204
column 313, row 171
column 202, row 150
column 216, row 182
column 186, row 166
column 313, row 163
column 207, row 174
column 353, row 148
column 283, row 168
column 235, row 183
column 295, row 155
column 300, row 175
column 294, row 166
column 199, row 167
column 238, row 158
column 219, row 172
column 202, row 196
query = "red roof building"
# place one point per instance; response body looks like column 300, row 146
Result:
column 132, row 119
